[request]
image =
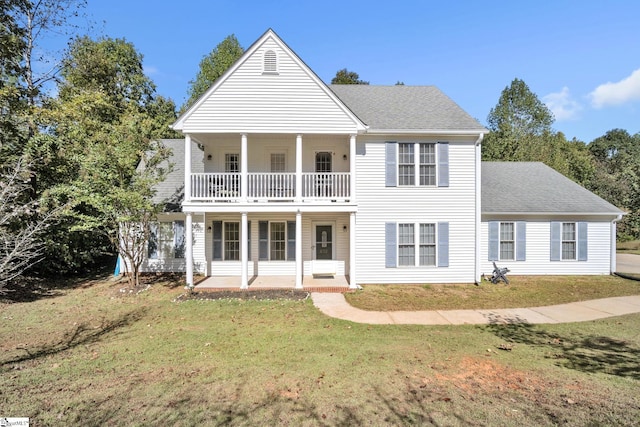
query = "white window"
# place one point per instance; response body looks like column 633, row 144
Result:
column 270, row 62
column 427, row 244
column 425, row 169
column 278, row 241
column 278, row 162
column 231, row 163
column 166, row 240
column 408, row 235
column 569, row 241
column 406, row 244
column 406, row 164
column 427, row 164
column 507, row 241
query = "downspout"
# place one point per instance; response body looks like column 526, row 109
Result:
column 613, row 260
column 478, row 202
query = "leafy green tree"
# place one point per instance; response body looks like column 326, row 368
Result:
column 520, row 126
column 346, row 77
column 102, row 124
column 617, row 156
column 518, row 121
column 212, row 66
column 12, row 93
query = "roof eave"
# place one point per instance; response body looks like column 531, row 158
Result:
column 556, row 213
column 470, row 132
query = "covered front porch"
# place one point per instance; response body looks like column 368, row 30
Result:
column 309, row 283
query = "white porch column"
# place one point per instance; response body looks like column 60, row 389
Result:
column 187, row 168
column 299, row 250
column 352, row 167
column 189, row 248
column 244, row 252
column 244, row 164
column 298, row 168
column 352, row 251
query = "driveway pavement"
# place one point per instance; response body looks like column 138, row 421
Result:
column 628, row 263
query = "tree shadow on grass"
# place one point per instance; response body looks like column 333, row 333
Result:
column 34, row 288
column 82, row 334
column 585, row 353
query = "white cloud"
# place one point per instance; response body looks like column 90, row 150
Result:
column 150, row 70
column 625, row 90
column 562, row 105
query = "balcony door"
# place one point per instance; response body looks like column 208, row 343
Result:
column 323, row 162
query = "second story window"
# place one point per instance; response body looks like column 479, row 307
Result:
column 406, row 164
column 231, row 163
column 427, row 164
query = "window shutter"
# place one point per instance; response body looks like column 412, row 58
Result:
column 443, row 164
column 521, row 241
column 582, row 241
column 178, row 239
column 494, row 240
column 390, row 239
column 556, row 243
column 443, row 244
column 391, row 172
column 291, row 240
column 263, row 240
column 217, row 240
column 152, row 244
column 249, row 240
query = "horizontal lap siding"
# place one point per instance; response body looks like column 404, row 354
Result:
column 232, row 268
column 167, row 265
column 378, row 204
column 249, row 101
column 538, row 252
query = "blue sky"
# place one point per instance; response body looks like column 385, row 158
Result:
column 582, row 58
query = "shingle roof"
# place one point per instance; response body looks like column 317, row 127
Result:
column 402, row 107
column 533, row 187
column 171, row 190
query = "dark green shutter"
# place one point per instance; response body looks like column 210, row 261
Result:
column 263, row 240
column 217, row 240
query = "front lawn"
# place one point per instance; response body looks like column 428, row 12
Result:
column 630, row 247
column 92, row 355
column 523, row 291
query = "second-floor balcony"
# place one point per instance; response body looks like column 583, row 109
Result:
column 271, row 187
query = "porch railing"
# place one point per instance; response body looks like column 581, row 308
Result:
column 274, row 185
column 222, row 186
column 335, row 185
column 271, row 186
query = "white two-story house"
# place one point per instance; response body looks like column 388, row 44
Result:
column 280, row 174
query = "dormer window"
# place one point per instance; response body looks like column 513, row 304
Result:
column 270, row 62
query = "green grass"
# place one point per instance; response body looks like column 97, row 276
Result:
column 91, row 356
column 523, row 291
column 630, row 247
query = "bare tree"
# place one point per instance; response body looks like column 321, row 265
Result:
column 22, row 224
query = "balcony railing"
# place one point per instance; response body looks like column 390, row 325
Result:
column 333, row 185
column 271, row 186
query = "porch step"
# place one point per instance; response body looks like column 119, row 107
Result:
column 320, row 289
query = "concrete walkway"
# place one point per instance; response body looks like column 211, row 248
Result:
column 335, row 305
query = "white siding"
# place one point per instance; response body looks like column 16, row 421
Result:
column 378, row 204
column 167, row 265
column 538, row 251
column 280, row 268
column 286, row 102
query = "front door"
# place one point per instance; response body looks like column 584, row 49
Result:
column 324, row 242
